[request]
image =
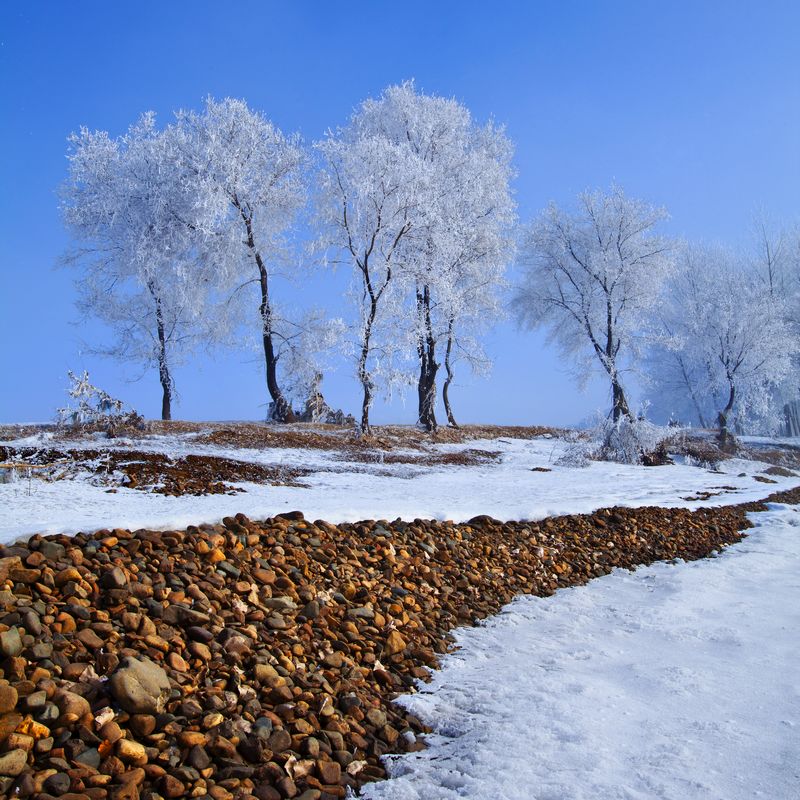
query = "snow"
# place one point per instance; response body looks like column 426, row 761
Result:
column 672, row 682
column 342, row 491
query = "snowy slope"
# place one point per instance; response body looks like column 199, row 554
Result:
column 672, row 682
column 507, row 489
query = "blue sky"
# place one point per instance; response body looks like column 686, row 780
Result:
column 693, row 105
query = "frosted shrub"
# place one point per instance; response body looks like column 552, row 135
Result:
column 96, row 409
column 631, row 441
column 578, row 452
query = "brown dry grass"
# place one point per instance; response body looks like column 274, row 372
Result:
column 333, row 437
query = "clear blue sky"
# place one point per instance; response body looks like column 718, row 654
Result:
column 693, row 105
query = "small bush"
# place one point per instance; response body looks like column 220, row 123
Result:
column 626, row 441
column 633, row 441
column 96, row 410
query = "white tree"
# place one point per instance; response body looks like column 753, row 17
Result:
column 775, row 260
column 418, row 198
column 365, row 203
column 125, row 204
column 593, row 278
column 454, row 257
column 247, row 180
column 727, row 343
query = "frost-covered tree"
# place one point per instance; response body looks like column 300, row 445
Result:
column 593, row 277
column 454, row 257
column 775, row 261
column 247, row 181
column 417, row 196
column 727, row 344
column 125, row 202
column 365, row 203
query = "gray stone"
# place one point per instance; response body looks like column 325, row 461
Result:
column 58, row 784
column 41, row 651
column 310, row 610
column 48, row 714
column 90, row 757
column 10, row 642
column 32, row 623
column 13, row 762
column 179, row 614
column 282, row 603
column 140, row 686
column 228, row 568
column 52, row 551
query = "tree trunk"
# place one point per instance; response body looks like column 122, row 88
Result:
column 620, row 403
column 363, row 374
column 791, row 413
column 280, row 410
column 426, row 349
column 166, row 391
column 448, row 365
column 163, row 367
column 727, row 441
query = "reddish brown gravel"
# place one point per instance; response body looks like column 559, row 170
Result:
column 260, row 658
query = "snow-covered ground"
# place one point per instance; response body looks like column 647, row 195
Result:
column 671, row 682
column 506, row 489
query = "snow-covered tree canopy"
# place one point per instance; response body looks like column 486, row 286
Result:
column 417, row 198
column 366, row 198
column 125, row 203
column 726, row 345
column 247, row 180
column 593, row 278
column 455, row 258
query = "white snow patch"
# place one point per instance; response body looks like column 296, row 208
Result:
column 671, row 682
column 507, row 489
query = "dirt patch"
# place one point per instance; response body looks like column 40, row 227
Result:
column 470, row 457
column 781, row 472
column 787, row 456
column 151, row 472
column 383, row 437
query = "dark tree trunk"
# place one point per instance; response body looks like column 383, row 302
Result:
column 363, row 374
column 280, row 410
column 448, row 365
column 727, row 441
column 791, row 413
column 426, row 349
column 163, row 367
column 620, row 403
column 620, row 406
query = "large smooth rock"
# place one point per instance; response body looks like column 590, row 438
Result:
column 13, row 762
column 140, row 686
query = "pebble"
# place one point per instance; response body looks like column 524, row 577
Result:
column 13, row 762
column 140, row 686
column 10, row 642
column 8, row 698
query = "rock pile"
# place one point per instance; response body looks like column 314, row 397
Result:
column 259, row 659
